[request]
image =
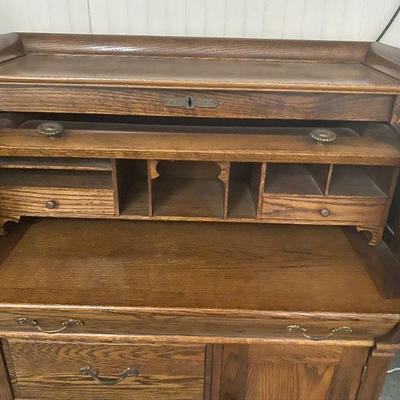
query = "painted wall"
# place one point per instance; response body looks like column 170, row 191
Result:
column 309, row 19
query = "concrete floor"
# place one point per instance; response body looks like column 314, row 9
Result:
column 391, row 391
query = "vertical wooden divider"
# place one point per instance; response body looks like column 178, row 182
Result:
column 328, row 180
column 263, row 177
column 224, row 176
column 116, row 188
column 152, row 174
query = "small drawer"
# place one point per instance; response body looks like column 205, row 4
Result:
column 323, row 210
column 48, row 192
column 56, row 201
column 100, row 371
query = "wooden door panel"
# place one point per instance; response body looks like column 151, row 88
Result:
column 291, row 372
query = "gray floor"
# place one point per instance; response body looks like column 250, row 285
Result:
column 391, row 390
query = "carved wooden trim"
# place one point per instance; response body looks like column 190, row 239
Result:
column 376, row 234
column 3, row 222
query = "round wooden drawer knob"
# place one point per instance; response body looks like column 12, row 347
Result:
column 51, row 204
column 325, row 212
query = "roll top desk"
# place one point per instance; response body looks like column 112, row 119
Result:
column 192, row 219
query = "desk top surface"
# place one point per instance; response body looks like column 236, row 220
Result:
column 189, row 265
column 197, row 63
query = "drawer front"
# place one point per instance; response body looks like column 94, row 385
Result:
column 66, row 201
column 45, row 370
column 325, row 211
column 211, row 103
column 202, row 324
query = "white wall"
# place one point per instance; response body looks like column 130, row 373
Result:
column 309, row 19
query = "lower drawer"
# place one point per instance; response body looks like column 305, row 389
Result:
column 325, row 211
column 57, row 370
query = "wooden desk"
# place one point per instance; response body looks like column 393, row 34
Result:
column 187, row 218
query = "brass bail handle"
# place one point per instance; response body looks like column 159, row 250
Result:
column 94, row 374
column 65, row 325
column 304, row 332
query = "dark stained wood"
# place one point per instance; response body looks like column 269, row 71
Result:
column 276, row 371
column 231, row 104
column 49, row 370
column 5, row 383
column 10, row 47
column 194, row 47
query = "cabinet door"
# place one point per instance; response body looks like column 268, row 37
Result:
column 291, row 372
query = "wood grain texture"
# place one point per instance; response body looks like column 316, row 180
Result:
column 231, row 104
column 307, row 209
column 376, row 144
column 46, row 370
column 279, row 371
column 195, row 326
column 6, row 392
column 194, row 47
column 338, row 284
column 69, row 201
column 202, row 73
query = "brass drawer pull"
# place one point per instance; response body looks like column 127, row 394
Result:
column 68, row 323
column 50, row 129
column 303, row 330
column 189, row 102
column 92, row 373
column 392, row 371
